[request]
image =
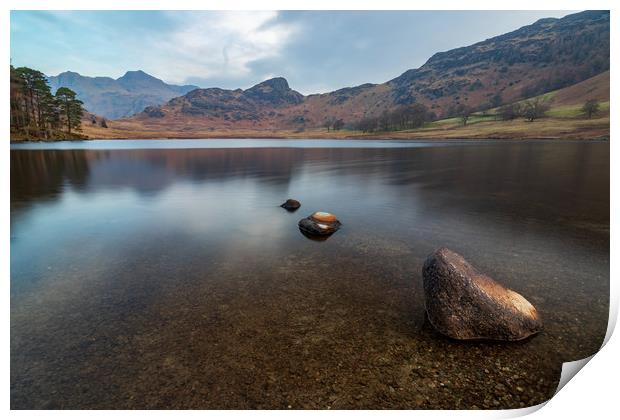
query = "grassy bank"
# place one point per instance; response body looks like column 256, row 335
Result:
column 559, row 125
column 488, row 128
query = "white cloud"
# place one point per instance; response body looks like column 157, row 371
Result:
column 221, row 44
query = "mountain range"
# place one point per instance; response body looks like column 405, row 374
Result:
column 547, row 55
column 118, row 98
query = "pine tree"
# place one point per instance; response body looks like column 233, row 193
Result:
column 18, row 119
column 36, row 93
column 70, row 108
column 35, row 112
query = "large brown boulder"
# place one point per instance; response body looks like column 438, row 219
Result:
column 465, row 304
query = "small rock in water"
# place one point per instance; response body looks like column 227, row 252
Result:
column 465, row 304
column 291, row 205
column 319, row 224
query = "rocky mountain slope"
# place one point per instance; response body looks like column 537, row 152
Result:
column 118, row 98
column 267, row 103
column 547, row 55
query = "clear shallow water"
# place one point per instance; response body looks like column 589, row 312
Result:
column 169, row 276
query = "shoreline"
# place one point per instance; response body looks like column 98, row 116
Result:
column 543, row 129
column 605, row 138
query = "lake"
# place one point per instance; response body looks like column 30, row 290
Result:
column 164, row 274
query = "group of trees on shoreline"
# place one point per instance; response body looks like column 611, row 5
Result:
column 531, row 110
column 416, row 115
column 536, row 108
column 334, row 123
column 36, row 113
column 402, row 118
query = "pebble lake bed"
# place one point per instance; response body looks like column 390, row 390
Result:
column 164, row 274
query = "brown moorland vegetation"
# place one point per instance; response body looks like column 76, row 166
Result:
column 564, row 119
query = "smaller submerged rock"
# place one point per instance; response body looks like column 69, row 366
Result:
column 291, row 205
column 319, row 223
column 465, row 304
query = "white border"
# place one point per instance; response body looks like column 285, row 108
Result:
column 592, row 394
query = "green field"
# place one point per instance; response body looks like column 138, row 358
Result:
column 563, row 111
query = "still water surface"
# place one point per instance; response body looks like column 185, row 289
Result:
column 164, row 275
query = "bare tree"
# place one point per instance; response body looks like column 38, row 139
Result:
column 367, row 124
column 591, row 107
column 328, row 123
column 510, row 112
column 384, row 121
column 464, row 114
column 535, row 108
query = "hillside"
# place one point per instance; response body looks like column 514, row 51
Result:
column 264, row 105
column 547, row 55
column 563, row 120
column 118, row 98
column 596, row 87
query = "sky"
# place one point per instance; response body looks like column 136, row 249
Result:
column 316, row 51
